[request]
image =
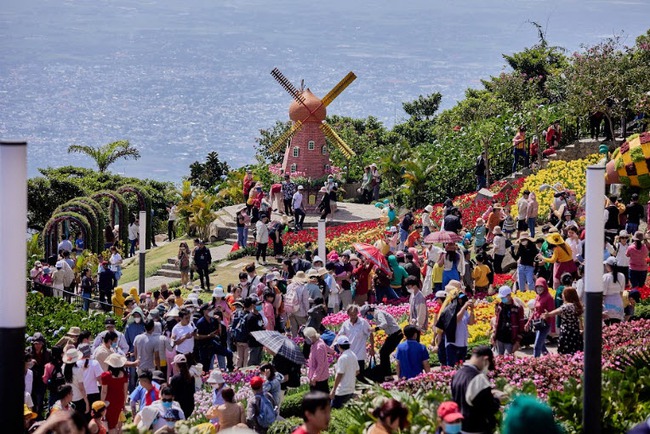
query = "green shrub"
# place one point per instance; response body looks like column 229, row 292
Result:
column 285, row 426
column 291, row 405
column 242, row 252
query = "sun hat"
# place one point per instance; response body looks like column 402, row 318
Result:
column 392, row 229
column 322, row 271
column 496, row 206
column 27, row 412
column 300, row 277
column 310, row 333
column 99, row 406
column 218, row 292
column 274, row 275
column 256, row 382
column 449, row 412
column 441, row 294
column 59, row 265
column 638, row 236
column 147, row 416
column 300, row 187
column 611, row 261
column 179, row 358
column 173, row 312
column 158, row 376
column 497, row 231
column 37, row 264
column 553, row 230
column 312, row 273
column 555, row 239
column 525, row 236
column 623, row 234
column 428, row 209
column 74, row 331
column 505, row 291
column 215, row 377
column 196, row 289
column 399, row 254
column 38, row 337
column 453, row 284
column 334, row 257
column 72, row 355
column 343, row 340
column 115, row 360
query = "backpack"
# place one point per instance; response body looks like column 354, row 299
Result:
column 266, row 414
column 56, row 380
column 291, row 300
column 238, row 327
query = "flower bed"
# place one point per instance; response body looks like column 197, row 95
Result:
column 339, row 238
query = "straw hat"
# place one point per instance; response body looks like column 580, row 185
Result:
column 72, row 355
column 312, row 273
column 322, row 271
column 453, row 284
column 300, row 277
column 525, row 236
column 480, row 221
column 74, row 331
column 115, row 360
column 496, row 206
column 555, row 239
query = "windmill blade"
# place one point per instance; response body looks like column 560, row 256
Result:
column 278, row 144
column 286, row 84
column 331, row 134
column 340, row 87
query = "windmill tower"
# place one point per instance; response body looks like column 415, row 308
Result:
column 307, row 151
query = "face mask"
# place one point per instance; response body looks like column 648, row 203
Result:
column 485, row 370
column 210, row 314
column 167, row 405
column 452, row 428
column 539, row 290
column 114, row 345
column 370, row 317
column 504, row 300
column 258, row 308
column 137, row 319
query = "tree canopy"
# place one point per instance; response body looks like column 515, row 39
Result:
column 108, row 154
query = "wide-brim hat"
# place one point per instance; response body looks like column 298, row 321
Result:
column 300, row 277
column 428, row 209
column 74, row 331
column 453, row 284
column 115, row 360
column 179, row 358
column 218, row 292
column 312, row 273
column 173, row 312
column 555, row 239
column 525, row 236
column 322, row 271
column 496, row 206
column 215, row 377
column 72, row 355
column 497, row 231
column 158, row 376
column 441, row 294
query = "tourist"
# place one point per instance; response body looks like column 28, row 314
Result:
column 449, row 418
column 405, row 224
column 146, row 393
column 418, row 315
column 386, row 322
column 347, row 370
column 452, row 263
column 288, row 189
column 228, row 413
column 519, row 148
column 452, row 221
column 260, row 412
column 392, row 417
column 638, row 253
column 272, row 383
column 542, row 327
column 622, row 260
column 114, row 386
column 634, row 213
column 325, row 204
column 91, row 371
column 296, row 302
column 525, row 254
column 298, row 263
column 412, row 358
column 358, row 333
column 411, row 267
column 254, row 322
column 480, row 169
column 268, row 310
column 471, row 390
column 64, row 403
column 96, row 424
column 238, row 332
column 73, row 375
column 532, row 212
column 161, row 414
column 297, row 203
column 134, row 231
column 382, row 285
column 553, row 135
column 115, row 262
column 570, row 313
column 171, row 221
column 612, row 220
column 509, row 224
column 41, row 356
column 376, row 181
column 500, row 246
column 494, row 219
column 58, row 279
column 261, row 238
column 480, row 232
column 242, row 221
column 105, row 283
column 183, row 385
column 183, row 333
column 312, row 287
column 613, row 287
column 183, row 262
column 315, row 409
column 562, row 257
column 509, row 324
column 528, row 415
column 202, row 261
column 87, row 285
column 362, row 274
column 481, row 275
column 533, row 152
column 318, row 364
column 522, row 213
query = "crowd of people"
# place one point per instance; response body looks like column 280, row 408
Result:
column 172, row 341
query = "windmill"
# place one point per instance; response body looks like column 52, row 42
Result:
column 307, row 151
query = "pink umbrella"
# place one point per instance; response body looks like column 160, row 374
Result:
column 442, row 237
column 372, row 254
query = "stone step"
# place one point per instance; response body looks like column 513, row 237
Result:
column 174, row 274
column 169, row 266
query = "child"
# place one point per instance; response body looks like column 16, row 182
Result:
column 269, row 310
column 436, row 277
column 479, row 234
column 509, row 224
column 481, row 275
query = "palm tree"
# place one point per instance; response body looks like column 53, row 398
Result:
column 108, row 154
column 416, row 173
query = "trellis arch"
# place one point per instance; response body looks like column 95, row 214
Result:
column 144, row 202
column 92, row 242
column 101, row 219
column 117, row 213
column 51, row 229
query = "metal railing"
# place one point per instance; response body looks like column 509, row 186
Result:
column 71, row 297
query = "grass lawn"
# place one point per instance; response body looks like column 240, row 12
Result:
column 156, row 257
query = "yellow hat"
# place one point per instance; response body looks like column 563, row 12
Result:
column 29, row 413
column 99, row 406
column 555, row 239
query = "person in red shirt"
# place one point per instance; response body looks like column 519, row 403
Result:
column 275, row 196
column 315, row 413
column 361, row 273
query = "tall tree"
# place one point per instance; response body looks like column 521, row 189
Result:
column 107, row 154
column 210, row 174
column 266, row 139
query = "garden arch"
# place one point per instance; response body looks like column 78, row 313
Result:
column 117, row 213
column 51, row 234
column 144, row 203
column 92, row 239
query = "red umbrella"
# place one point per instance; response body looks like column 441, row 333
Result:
column 442, row 237
column 372, row 254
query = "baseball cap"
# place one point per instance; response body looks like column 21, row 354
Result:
column 449, row 412
column 343, row 340
column 179, row 358
column 505, row 291
column 256, row 382
column 611, row 261
column 441, row 294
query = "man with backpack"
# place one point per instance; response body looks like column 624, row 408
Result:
column 296, row 302
column 254, row 323
column 239, row 334
column 261, row 410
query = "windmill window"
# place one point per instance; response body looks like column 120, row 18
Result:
column 296, row 151
column 294, row 167
column 311, row 145
column 324, row 150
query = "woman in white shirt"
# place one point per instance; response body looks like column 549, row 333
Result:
column 622, row 260
column 116, row 263
column 74, row 377
column 91, row 370
column 613, row 286
column 573, row 240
